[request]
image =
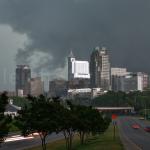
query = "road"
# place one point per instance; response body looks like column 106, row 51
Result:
column 22, row 143
column 134, row 139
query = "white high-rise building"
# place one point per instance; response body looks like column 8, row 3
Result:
column 77, row 69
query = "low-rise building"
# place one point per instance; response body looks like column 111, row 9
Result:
column 85, row 92
column 130, row 82
column 11, row 109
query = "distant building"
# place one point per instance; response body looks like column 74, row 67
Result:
column 58, row 88
column 119, row 71
column 78, row 73
column 100, row 69
column 130, row 82
column 117, row 75
column 11, row 109
column 143, row 81
column 79, row 83
column 11, row 93
column 36, row 86
column 20, row 93
column 23, row 76
column 85, row 93
column 77, row 69
column 74, row 93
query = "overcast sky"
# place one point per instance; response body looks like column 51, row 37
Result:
column 42, row 32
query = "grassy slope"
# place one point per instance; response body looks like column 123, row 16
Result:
column 102, row 142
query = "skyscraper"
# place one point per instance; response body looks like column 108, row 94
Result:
column 100, row 69
column 78, row 73
column 23, row 76
column 77, row 69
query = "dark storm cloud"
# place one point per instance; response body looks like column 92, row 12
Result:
column 56, row 26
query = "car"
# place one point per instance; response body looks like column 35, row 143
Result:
column 141, row 118
column 135, row 126
column 147, row 129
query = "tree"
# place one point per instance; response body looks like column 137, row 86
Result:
column 88, row 121
column 41, row 116
column 67, row 124
column 4, row 120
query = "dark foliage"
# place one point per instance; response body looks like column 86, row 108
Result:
column 4, row 120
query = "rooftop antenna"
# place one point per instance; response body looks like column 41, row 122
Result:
column 71, row 55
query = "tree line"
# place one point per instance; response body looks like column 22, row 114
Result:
column 4, row 120
column 49, row 115
column 138, row 100
column 46, row 116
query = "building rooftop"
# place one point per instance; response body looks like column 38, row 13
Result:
column 12, row 108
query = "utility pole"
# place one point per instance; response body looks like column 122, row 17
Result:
column 145, row 110
column 114, row 117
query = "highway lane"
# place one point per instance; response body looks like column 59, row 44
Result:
column 138, row 138
column 28, row 143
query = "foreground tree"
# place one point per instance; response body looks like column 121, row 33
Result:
column 67, row 124
column 89, row 121
column 4, row 120
column 46, row 116
column 41, row 116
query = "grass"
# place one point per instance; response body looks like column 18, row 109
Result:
column 101, row 142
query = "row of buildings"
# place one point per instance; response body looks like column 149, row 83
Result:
column 86, row 78
column 97, row 76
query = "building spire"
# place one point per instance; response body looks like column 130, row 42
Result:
column 103, row 48
column 71, row 55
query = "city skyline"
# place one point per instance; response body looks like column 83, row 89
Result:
column 80, row 63
column 53, row 33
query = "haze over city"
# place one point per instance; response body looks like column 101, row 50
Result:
column 42, row 34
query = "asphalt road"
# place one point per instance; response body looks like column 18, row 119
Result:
column 134, row 139
column 28, row 143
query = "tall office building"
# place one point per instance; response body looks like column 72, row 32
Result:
column 77, row 69
column 78, row 73
column 100, row 69
column 23, row 76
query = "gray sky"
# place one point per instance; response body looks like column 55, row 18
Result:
column 42, row 32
